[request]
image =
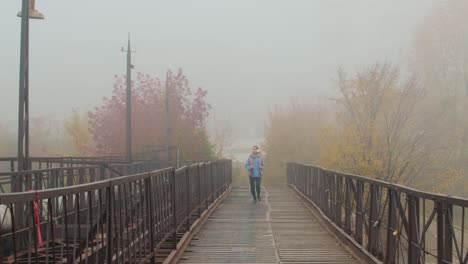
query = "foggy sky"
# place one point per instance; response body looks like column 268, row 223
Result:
column 249, row 54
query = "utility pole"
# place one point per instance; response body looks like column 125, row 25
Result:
column 128, row 148
column 27, row 12
column 168, row 124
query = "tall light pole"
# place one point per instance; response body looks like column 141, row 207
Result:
column 27, row 11
column 168, row 123
column 129, row 102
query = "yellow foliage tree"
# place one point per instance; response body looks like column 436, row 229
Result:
column 77, row 130
column 292, row 134
column 440, row 57
column 376, row 132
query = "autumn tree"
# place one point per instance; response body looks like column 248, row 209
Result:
column 377, row 131
column 78, row 133
column 292, row 134
column 440, row 58
column 188, row 111
column 48, row 138
column 222, row 138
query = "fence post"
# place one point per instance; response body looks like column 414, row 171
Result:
column 448, row 232
column 444, row 233
column 204, row 183
column 316, row 186
column 391, row 228
column 199, row 190
column 149, row 197
column 413, row 230
column 359, row 213
column 92, row 174
column 187, row 183
column 102, row 173
column 331, row 195
column 347, row 206
column 339, row 200
column 174, row 204
column 110, row 216
column 307, row 182
column 373, row 221
column 211, row 183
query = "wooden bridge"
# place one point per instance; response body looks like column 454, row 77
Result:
column 279, row 229
column 83, row 210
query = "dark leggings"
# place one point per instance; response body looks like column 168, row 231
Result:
column 255, row 185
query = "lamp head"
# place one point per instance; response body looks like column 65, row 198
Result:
column 32, row 12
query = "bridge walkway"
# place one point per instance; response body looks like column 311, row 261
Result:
column 279, row 229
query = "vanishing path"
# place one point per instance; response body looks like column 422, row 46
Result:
column 279, row 229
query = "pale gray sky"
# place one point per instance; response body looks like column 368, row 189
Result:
column 249, row 54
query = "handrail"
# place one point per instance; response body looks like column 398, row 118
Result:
column 57, row 177
column 394, row 223
column 122, row 219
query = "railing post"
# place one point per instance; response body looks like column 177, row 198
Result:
column 215, row 179
column 110, row 216
column 102, row 173
column 199, row 190
column 392, row 231
column 70, row 183
column 294, row 174
column 92, row 174
column 70, row 177
column 304, row 179
column 413, row 230
column 444, row 233
column 150, row 214
column 448, row 232
column 339, row 200
column 359, row 212
column 205, row 184
column 187, row 182
column 373, row 236
column 322, row 188
column 211, row 183
column 348, row 206
column 332, row 200
column 230, row 172
column 81, row 180
column 174, row 209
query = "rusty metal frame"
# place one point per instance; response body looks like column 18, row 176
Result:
column 123, row 219
column 393, row 223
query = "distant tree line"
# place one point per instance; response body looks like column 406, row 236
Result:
column 407, row 125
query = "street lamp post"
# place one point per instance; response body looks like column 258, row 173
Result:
column 128, row 152
column 168, row 122
column 27, row 11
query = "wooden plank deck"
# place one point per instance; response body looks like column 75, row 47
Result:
column 279, row 229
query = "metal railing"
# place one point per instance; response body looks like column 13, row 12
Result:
column 393, row 223
column 37, row 163
column 63, row 173
column 119, row 220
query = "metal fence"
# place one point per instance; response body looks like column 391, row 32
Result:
column 37, row 163
column 61, row 173
column 126, row 219
column 393, row 223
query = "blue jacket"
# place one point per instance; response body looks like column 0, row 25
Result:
column 256, row 168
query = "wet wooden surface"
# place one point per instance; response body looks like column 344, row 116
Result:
column 279, row 229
